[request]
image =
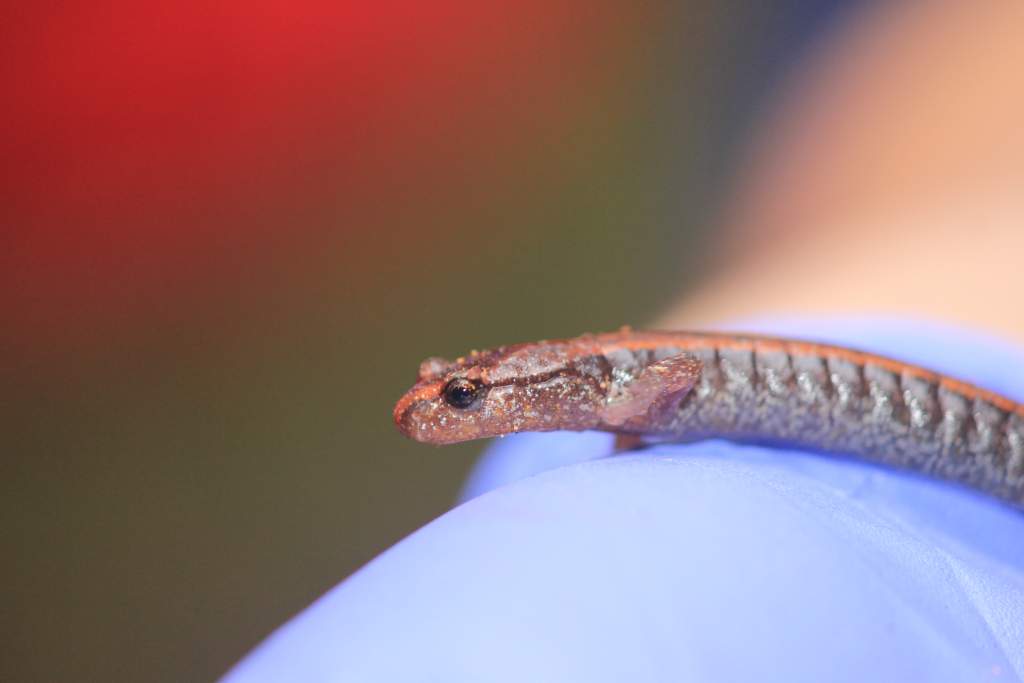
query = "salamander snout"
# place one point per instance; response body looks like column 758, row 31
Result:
column 442, row 412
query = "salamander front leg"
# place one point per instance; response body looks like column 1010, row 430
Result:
column 657, row 389
column 628, row 442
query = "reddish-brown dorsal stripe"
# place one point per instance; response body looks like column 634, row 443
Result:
column 744, row 342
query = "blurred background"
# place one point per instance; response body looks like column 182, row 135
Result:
column 230, row 232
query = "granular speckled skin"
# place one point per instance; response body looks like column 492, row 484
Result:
column 673, row 386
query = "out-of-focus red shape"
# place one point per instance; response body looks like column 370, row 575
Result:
column 112, row 99
column 135, row 131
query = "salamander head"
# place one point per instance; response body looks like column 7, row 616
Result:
column 528, row 387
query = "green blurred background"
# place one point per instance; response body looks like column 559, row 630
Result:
column 233, row 233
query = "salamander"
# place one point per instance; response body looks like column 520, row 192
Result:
column 687, row 386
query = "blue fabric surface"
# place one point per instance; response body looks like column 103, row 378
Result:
column 703, row 562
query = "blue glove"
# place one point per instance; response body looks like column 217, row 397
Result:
column 702, row 562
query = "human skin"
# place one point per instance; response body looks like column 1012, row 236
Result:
column 888, row 181
column 884, row 192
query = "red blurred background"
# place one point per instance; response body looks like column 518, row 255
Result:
column 131, row 123
column 230, row 233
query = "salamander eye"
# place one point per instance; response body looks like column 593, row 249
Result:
column 460, row 393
